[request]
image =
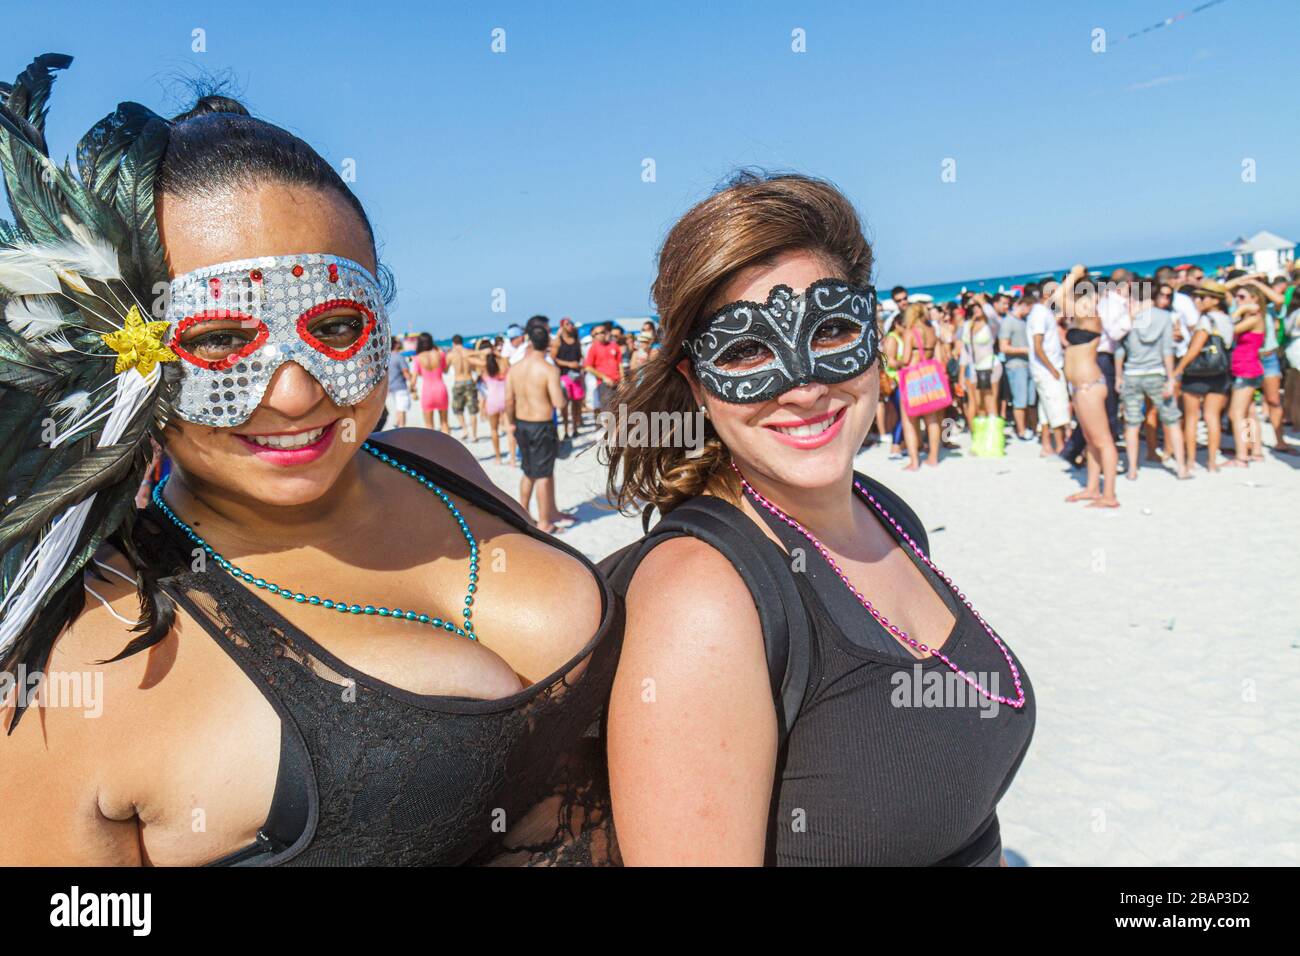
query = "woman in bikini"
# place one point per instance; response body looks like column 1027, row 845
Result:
column 1088, row 386
column 919, row 344
column 979, row 343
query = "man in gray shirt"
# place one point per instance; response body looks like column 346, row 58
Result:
column 1144, row 371
column 1014, row 343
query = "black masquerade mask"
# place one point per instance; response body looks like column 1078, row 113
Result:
column 749, row 352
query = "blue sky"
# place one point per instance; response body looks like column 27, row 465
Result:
column 522, row 170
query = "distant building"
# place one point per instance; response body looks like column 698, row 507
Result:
column 1263, row 252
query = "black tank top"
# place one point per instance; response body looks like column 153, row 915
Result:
column 569, row 351
column 864, row 780
column 371, row 774
column 875, row 773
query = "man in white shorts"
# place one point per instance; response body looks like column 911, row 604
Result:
column 399, row 385
column 1046, row 366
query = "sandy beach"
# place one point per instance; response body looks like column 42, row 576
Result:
column 1162, row 641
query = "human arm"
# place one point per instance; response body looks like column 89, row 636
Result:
column 1167, row 354
column 1199, row 338
column 1009, row 350
column 590, row 365
column 69, row 789
column 1061, row 301
column 1042, row 356
column 510, row 395
column 692, row 725
column 1267, row 290
column 554, row 389
column 1250, row 317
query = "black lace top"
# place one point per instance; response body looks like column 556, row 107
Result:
column 371, row 774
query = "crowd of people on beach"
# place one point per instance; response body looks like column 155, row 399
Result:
column 1087, row 366
column 532, row 389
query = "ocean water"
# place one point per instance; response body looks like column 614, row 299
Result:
column 942, row 292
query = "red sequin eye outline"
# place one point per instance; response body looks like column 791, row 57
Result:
column 215, row 315
column 338, row 355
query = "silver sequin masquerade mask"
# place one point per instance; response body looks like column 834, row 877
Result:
column 234, row 324
column 752, row 352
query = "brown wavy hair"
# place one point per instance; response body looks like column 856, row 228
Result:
column 752, row 219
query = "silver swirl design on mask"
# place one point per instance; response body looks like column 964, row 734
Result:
column 786, row 326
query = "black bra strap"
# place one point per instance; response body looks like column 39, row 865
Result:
column 292, row 813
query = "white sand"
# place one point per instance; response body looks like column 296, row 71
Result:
column 1162, row 640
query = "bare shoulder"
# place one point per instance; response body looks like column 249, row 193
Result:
column 689, row 568
column 62, row 760
column 102, row 630
column 691, row 777
column 680, row 584
column 446, row 451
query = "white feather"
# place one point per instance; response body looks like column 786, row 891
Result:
column 58, row 342
column 83, row 255
column 35, row 269
column 23, row 274
column 89, row 254
column 52, row 553
column 34, row 316
column 76, row 404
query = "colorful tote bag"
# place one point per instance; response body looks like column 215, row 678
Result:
column 923, row 388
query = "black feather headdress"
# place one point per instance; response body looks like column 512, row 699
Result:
column 81, row 385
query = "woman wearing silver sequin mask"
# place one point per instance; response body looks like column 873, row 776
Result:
column 352, row 649
column 786, row 632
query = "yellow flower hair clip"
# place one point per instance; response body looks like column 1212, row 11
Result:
column 138, row 344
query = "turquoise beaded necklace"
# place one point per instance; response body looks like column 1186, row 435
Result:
column 342, row 606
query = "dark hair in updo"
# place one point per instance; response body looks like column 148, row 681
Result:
column 217, row 144
column 214, row 145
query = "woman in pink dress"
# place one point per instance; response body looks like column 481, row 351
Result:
column 494, row 404
column 431, row 363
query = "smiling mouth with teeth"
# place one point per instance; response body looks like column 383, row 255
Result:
column 300, row 440
column 808, row 430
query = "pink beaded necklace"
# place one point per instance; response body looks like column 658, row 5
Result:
column 894, row 629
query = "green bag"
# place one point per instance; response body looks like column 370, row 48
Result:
column 988, row 439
